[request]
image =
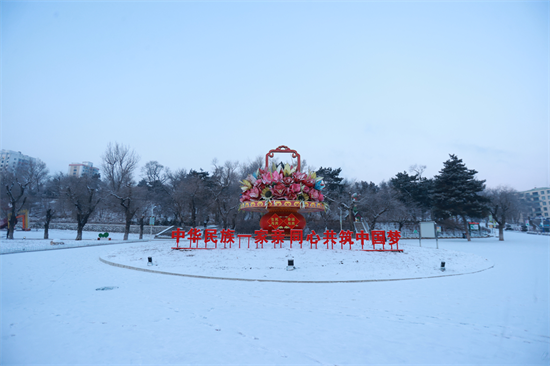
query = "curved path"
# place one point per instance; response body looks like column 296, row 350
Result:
column 283, row 281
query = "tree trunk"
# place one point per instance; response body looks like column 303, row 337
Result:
column 501, row 225
column 500, row 232
column 81, row 220
column 127, row 229
column 79, row 229
column 49, row 216
column 11, row 225
column 466, row 228
column 141, row 223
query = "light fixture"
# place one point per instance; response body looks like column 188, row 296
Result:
column 290, row 266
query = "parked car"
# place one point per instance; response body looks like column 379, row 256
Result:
column 523, row 227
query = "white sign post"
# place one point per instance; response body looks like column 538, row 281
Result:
column 428, row 231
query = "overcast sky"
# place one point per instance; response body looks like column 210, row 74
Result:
column 371, row 87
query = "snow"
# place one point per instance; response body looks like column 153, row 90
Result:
column 269, row 264
column 54, row 311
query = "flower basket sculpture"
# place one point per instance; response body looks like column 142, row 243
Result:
column 283, row 193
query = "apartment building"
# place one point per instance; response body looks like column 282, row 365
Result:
column 540, row 197
column 86, row 168
column 12, row 160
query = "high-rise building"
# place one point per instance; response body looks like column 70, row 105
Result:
column 13, row 160
column 85, row 168
column 540, row 200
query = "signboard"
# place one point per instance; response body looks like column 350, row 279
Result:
column 474, row 225
column 427, row 229
column 152, row 220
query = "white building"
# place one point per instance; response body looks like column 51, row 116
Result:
column 13, row 160
column 86, row 168
column 540, row 197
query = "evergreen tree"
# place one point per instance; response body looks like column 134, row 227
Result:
column 456, row 192
column 332, row 179
column 414, row 191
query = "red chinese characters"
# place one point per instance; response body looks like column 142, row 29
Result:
column 377, row 239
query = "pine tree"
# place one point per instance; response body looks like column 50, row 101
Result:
column 456, row 192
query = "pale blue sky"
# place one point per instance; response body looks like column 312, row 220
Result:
column 371, row 87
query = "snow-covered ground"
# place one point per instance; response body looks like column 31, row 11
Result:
column 53, row 310
column 269, row 264
column 27, row 241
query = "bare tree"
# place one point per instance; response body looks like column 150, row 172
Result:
column 37, row 174
column 83, row 195
column 225, row 193
column 153, row 173
column 376, row 202
column 119, row 164
column 50, row 202
column 15, row 187
column 504, row 203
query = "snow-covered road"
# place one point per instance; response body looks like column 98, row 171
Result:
column 51, row 313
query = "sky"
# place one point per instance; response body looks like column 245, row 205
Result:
column 369, row 87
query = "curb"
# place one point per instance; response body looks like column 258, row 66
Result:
column 279, row 281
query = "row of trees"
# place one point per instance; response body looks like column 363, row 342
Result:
column 194, row 198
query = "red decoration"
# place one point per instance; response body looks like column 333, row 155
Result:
column 261, row 237
column 277, row 237
column 228, row 236
column 329, row 236
column 178, row 235
column 243, row 236
column 194, row 235
column 313, row 239
column 378, row 237
column 283, row 218
column 394, row 236
column 296, row 235
column 362, row 236
column 211, row 235
column 282, row 149
column 346, row 238
column 282, row 194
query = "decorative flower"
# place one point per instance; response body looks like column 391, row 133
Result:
column 310, row 182
column 303, row 197
column 245, row 196
column 277, row 177
column 246, row 185
column 295, row 188
column 279, row 191
column 283, row 183
column 314, row 194
column 267, row 178
column 288, row 180
column 299, row 177
column 266, row 194
column 254, row 193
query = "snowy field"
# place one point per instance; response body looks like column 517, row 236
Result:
column 26, row 241
column 53, row 310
